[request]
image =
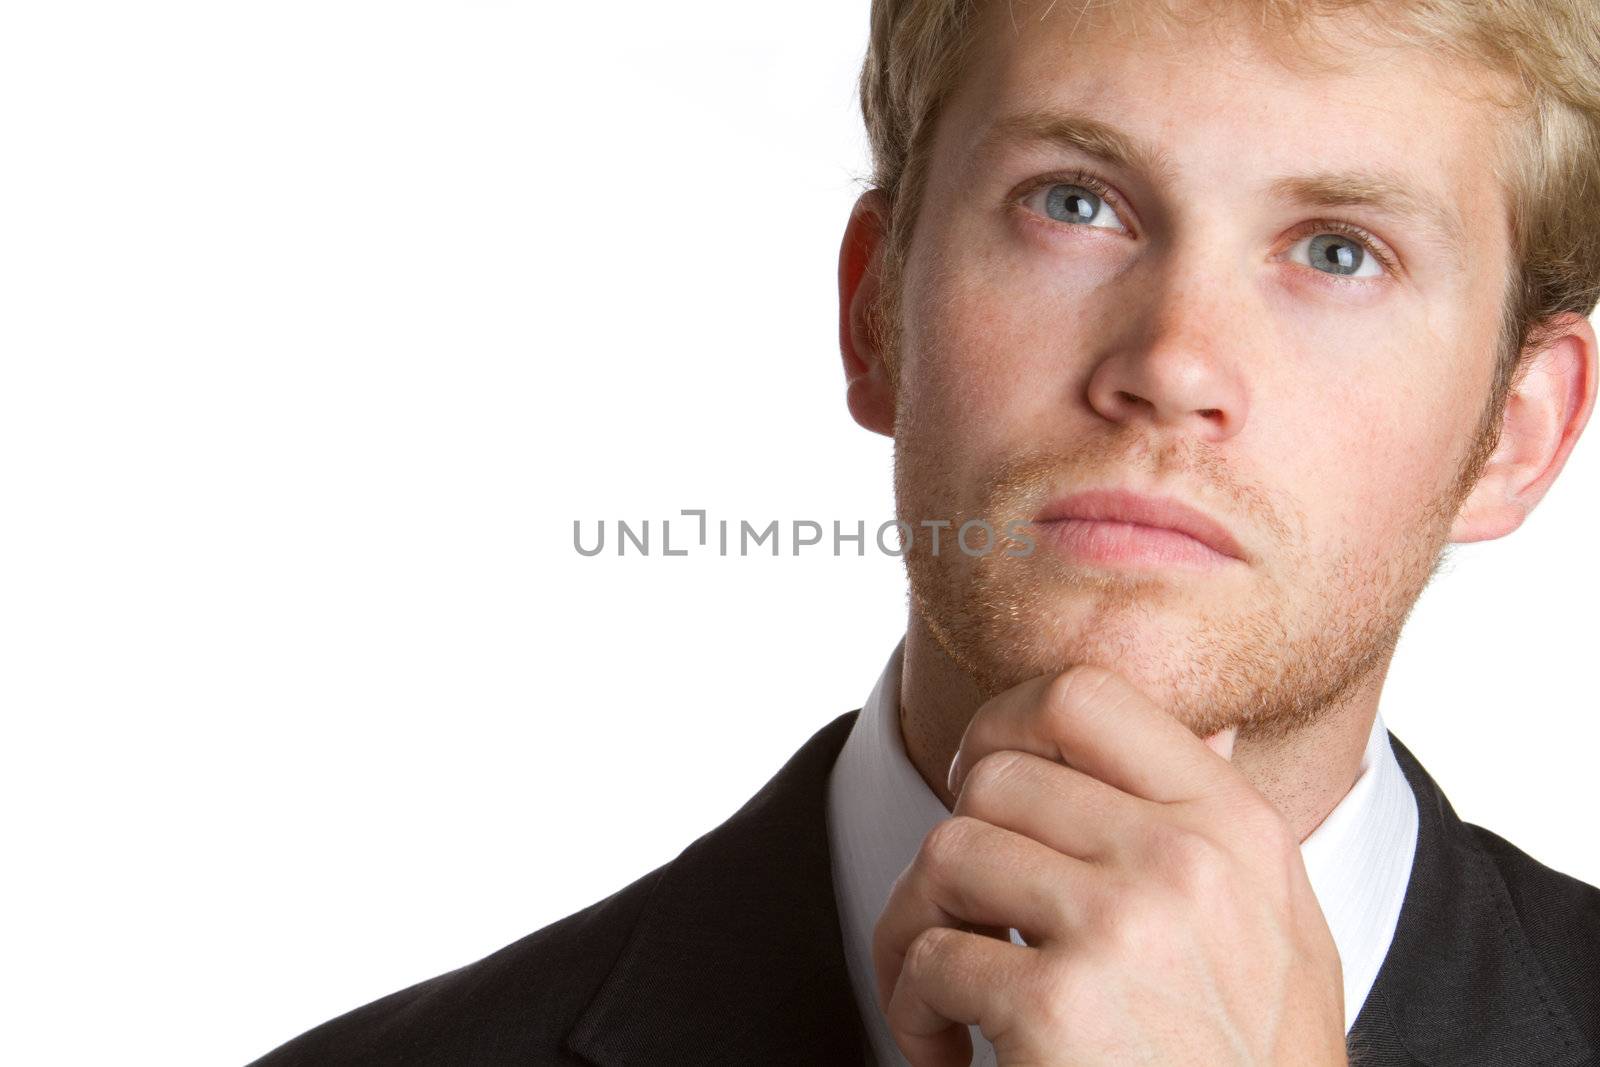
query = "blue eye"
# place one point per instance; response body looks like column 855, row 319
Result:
column 1334, row 253
column 1076, row 205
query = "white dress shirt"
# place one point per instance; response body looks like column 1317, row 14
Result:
column 880, row 809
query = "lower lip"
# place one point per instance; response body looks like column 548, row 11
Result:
column 1126, row 543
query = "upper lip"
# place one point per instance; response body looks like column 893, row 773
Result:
column 1120, row 505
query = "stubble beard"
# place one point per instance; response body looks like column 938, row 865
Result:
column 1272, row 667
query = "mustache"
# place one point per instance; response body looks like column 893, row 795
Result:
column 1024, row 483
column 1029, row 477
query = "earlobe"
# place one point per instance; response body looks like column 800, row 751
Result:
column 869, row 391
column 1545, row 414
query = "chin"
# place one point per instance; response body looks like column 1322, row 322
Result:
column 1157, row 654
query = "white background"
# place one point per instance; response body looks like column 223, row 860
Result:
column 321, row 323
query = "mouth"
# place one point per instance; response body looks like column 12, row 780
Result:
column 1120, row 527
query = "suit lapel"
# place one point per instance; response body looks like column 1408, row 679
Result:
column 738, row 956
column 1460, row 983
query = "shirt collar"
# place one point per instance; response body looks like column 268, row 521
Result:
column 879, row 809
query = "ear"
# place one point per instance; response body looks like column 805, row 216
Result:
column 1544, row 416
column 868, row 392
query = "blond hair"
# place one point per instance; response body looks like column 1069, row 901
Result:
column 1548, row 52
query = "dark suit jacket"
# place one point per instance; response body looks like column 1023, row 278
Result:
column 731, row 954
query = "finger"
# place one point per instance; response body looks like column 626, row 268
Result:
column 954, row 979
column 968, row 872
column 1099, row 722
column 1058, row 806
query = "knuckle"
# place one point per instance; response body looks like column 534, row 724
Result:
column 1067, row 988
column 1136, row 927
column 1267, row 827
column 926, row 949
column 1075, row 691
column 1262, row 830
column 946, row 843
column 881, row 932
column 989, row 778
column 1193, row 864
column 1045, row 899
column 1283, row 851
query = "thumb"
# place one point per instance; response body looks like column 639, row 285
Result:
column 1222, row 742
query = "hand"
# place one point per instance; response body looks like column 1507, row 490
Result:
column 1164, row 902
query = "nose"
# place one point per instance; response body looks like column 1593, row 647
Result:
column 1175, row 363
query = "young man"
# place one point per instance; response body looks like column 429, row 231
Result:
column 1222, row 320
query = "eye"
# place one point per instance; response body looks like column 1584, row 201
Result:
column 1073, row 204
column 1336, row 253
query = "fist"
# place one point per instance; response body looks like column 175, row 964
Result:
column 1164, row 904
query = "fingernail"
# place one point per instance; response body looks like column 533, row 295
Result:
column 954, row 776
column 1221, row 742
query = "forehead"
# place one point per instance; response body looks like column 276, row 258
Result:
column 1222, row 103
column 1186, row 39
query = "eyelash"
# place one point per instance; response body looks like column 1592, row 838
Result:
column 1074, row 177
column 1360, row 235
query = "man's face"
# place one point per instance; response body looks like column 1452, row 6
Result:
column 1204, row 320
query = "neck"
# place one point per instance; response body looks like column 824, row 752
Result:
column 1304, row 775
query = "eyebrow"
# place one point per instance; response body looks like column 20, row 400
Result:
column 1060, row 129
column 1378, row 190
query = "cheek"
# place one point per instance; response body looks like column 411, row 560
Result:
column 991, row 353
column 1365, row 460
column 1364, row 412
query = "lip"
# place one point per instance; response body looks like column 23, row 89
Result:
column 1164, row 513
